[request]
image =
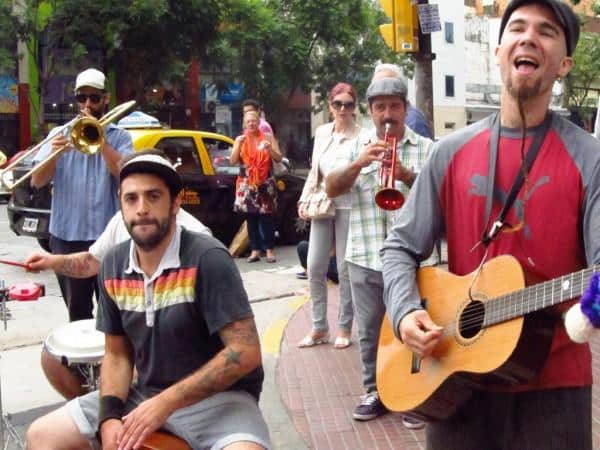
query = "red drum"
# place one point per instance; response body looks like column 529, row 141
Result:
column 160, row 440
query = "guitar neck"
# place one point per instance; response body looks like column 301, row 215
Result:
column 537, row 297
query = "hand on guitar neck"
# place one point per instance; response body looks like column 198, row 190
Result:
column 419, row 332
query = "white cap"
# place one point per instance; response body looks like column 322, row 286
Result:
column 90, row 77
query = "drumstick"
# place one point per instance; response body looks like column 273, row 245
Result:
column 12, row 263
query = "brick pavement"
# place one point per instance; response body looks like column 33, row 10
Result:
column 320, row 387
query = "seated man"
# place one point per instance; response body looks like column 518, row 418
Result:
column 302, row 250
column 86, row 264
column 172, row 305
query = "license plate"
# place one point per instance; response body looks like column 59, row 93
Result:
column 30, row 224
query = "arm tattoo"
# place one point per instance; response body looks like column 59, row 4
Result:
column 232, row 357
column 242, row 347
column 76, row 265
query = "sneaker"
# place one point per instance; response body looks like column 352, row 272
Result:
column 370, row 407
column 412, row 424
column 302, row 276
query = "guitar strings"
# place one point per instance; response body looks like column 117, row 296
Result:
column 502, row 309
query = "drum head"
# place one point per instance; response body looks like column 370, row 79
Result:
column 77, row 342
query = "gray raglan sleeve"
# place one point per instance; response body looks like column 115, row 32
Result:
column 411, row 240
column 591, row 216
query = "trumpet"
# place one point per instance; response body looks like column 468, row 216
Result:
column 86, row 134
column 388, row 197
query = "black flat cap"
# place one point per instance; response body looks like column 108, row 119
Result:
column 564, row 14
column 149, row 162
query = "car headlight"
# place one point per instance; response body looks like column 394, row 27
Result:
column 7, row 178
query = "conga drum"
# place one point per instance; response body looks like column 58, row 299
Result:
column 78, row 345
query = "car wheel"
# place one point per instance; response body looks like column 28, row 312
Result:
column 293, row 228
column 44, row 243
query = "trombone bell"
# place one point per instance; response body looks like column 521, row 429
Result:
column 87, row 135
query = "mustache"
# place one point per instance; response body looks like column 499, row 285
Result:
column 390, row 121
column 144, row 222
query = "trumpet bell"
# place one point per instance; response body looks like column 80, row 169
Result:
column 389, row 199
column 87, row 135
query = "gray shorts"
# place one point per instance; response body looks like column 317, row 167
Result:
column 213, row 423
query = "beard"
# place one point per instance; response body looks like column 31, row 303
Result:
column 525, row 91
column 148, row 242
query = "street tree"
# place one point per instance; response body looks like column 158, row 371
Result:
column 8, row 41
column 585, row 74
column 148, row 40
column 279, row 46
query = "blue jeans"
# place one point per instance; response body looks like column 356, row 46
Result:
column 261, row 231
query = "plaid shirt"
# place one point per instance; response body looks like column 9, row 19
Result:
column 369, row 224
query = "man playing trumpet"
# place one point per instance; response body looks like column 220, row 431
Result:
column 359, row 174
column 84, row 190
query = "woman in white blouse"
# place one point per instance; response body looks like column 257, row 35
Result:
column 331, row 140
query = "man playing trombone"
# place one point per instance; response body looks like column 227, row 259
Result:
column 360, row 174
column 84, row 191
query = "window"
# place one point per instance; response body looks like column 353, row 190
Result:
column 449, row 32
column 449, row 125
column 449, row 86
column 219, row 152
column 183, row 153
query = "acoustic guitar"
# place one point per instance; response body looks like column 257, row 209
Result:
column 489, row 336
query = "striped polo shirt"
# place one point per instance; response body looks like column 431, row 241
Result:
column 173, row 317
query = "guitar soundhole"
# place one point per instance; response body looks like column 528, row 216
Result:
column 471, row 319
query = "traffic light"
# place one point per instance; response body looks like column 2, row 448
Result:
column 402, row 35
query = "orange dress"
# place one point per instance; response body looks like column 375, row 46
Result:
column 256, row 192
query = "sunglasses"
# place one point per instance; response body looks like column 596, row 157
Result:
column 337, row 105
column 94, row 98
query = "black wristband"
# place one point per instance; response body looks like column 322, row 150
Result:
column 111, row 407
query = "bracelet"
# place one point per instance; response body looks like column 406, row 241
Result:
column 111, row 407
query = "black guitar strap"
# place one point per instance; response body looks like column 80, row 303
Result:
column 540, row 134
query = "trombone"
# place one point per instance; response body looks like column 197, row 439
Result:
column 86, row 135
column 388, row 197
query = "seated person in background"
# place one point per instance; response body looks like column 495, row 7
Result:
column 302, row 249
column 86, row 264
column 172, row 305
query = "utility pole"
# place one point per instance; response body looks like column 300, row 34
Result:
column 424, row 74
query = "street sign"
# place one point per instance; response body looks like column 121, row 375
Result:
column 429, row 18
